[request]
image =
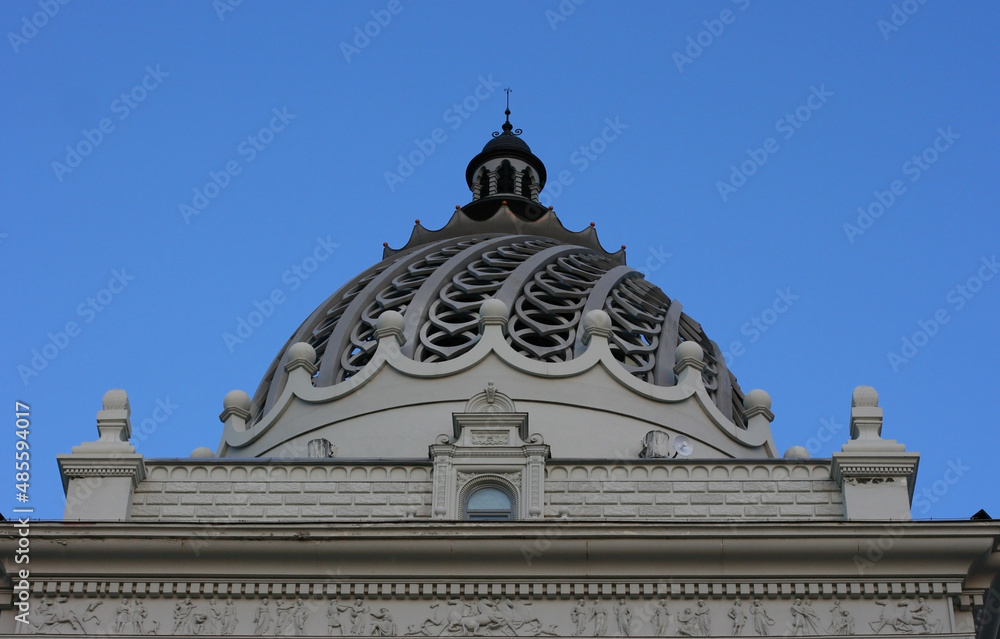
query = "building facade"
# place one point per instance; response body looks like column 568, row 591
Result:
column 500, row 429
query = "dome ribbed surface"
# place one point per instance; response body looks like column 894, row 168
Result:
column 548, row 285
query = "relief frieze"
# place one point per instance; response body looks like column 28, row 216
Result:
column 315, row 615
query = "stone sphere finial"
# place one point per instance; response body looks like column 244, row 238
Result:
column 115, row 399
column 864, row 396
column 757, row 398
column 797, row 452
column 303, row 351
column 236, row 399
column 689, row 350
column 390, row 320
column 202, row 453
column 493, row 309
column 597, row 319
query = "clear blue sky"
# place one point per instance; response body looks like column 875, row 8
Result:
column 747, row 134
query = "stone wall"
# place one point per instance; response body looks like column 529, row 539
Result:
column 225, row 490
column 730, row 490
column 237, row 491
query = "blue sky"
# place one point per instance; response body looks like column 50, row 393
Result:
column 834, row 161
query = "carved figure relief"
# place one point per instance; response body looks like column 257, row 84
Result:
column 262, row 620
column 915, row 620
column 382, row 624
column 284, row 621
column 334, row 624
column 739, row 618
column 661, row 619
column 360, row 614
column 687, row 624
column 480, row 616
column 623, row 619
column 600, row 614
column 90, row 614
column 761, row 620
column 704, row 619
column 431, row 626
column 805, row 621
column 229, row 618
column 300, row 615
column 56, row 616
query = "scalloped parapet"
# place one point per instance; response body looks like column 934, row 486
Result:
column 506, row 217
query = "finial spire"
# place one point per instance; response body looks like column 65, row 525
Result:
column 507, row 126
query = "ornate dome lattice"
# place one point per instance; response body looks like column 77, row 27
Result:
column 548, row 285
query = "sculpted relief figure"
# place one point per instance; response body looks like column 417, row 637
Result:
column 623, row 619
column 54, row 615
column 600, row 614
column 522, row 619
column 382, row 624
column 284, row 621
column 429, row 627
column 843, row 624
column 920, row 617
column 739, row 618
column 805, row 621
column 229, row 619
column 90, row 614
column 661, row 619
column 334, row 624
column 704, row 620
column 182, row 616
column 360, row 614
column 915, row 620
column 761, row 620
column 262, row 619
column 687, row 624
column 580, row 615
column 885, row 618
column 123, row 618
column 300, row 615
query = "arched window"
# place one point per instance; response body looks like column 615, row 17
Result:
column 489, row 502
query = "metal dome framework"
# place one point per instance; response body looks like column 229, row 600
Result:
column 548, row 285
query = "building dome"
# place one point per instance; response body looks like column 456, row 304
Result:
column 548, row 283
column 503, row 245
column 502, row 296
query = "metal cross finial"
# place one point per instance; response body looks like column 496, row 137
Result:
column 507, row 126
